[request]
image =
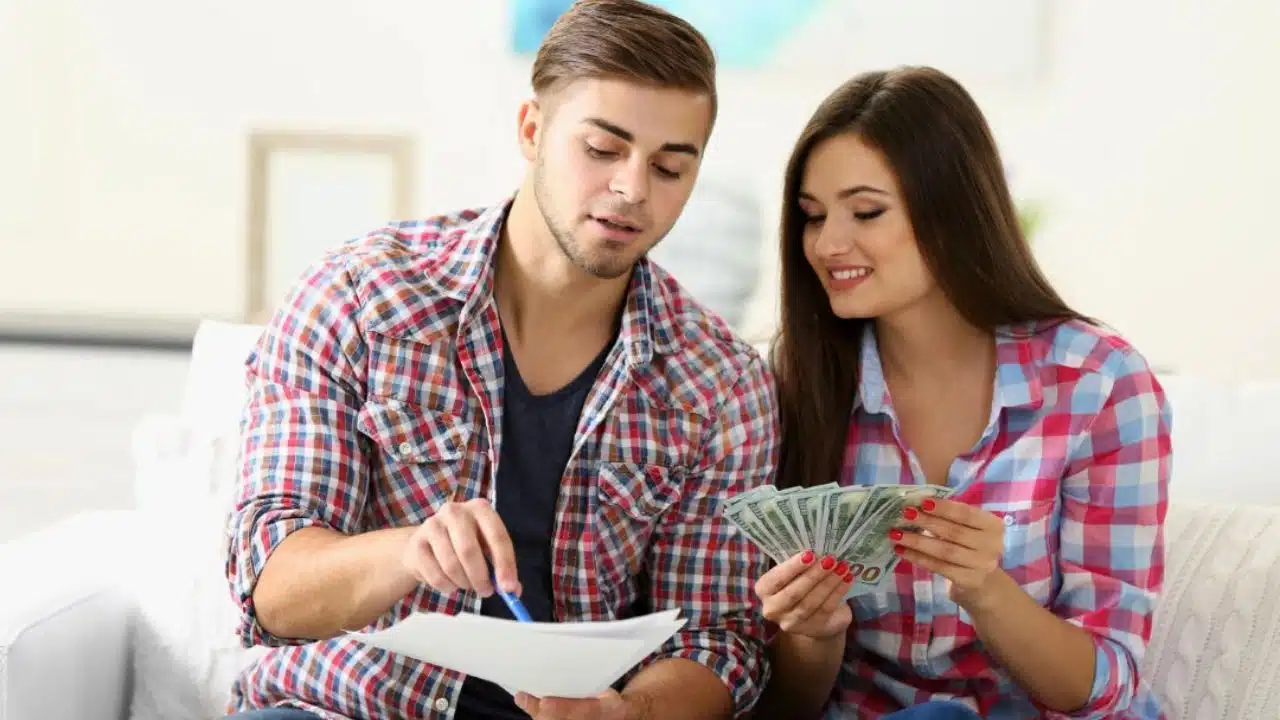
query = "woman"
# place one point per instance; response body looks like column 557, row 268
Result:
column 921, row 344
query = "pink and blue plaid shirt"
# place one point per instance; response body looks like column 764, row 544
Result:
column 376, row 396
column 1075, row 459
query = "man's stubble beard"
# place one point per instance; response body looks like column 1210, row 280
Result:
column 564, row 238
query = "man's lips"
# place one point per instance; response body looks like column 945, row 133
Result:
column 617, row 222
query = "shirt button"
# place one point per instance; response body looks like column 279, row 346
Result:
column 441, row 704
column 1008, row 521
column 406, row 448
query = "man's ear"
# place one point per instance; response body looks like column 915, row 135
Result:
column 530, row 123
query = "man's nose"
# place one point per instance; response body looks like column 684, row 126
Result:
column 631, row 181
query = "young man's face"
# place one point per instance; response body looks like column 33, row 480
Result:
column 614, row 163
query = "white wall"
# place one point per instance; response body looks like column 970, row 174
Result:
column 123, row 183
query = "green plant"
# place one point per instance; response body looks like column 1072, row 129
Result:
column 1031, row 217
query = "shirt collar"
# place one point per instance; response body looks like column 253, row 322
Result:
column 649, row 323
column 1017, row 383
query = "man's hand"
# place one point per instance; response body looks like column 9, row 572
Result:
column 608, row 705
column 452, row 549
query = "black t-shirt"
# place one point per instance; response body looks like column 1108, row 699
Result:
column 537, row 438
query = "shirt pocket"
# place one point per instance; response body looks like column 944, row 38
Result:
column 419, row 458
column 631, row 500
column 1030, row 546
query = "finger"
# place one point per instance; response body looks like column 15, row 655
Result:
column 930, row 563
column 464, row 535
column 957, row 512
column 570, row 708
column 781, row 604
column 814, row 602
column 946, row 529
column 437, row 533
column 837, row 593
column 939, row 549
column 497, row 542
column 424, row 561
column 528, row 703
column 784, row 573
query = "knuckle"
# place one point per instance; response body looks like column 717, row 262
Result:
column 451, row 566
column 469, row 552
column 809, row 603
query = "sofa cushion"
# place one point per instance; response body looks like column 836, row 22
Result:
column 215, row 391
column 1216, row 642
column 186, row 650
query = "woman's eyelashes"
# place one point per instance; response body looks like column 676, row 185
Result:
column 862, row 216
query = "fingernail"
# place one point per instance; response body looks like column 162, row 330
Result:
column 842, row 568
column 899, row 549
column 928, row 505
column 848, row 578
column 828, row 562
column 807, row 557
column 910, row 513
column 895, row 534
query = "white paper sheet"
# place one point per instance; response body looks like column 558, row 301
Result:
column 571, row 660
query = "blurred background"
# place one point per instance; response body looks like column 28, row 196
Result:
column 167, row 162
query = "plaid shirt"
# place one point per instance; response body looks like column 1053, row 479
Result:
column 376, row 396
column 1075, row 459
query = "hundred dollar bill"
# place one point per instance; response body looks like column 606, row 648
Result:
column 771, row 513
column 805, row 508
column 869, row 547
column 755, row 530
column 843, row 508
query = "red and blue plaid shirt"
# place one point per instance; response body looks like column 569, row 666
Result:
column 376, row 396
column 1075, row 459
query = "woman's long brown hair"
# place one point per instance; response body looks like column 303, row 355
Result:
column 934, row 136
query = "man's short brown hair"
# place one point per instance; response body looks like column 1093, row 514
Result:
column 628, row 40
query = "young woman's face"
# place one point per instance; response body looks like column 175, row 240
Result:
column 857, row 235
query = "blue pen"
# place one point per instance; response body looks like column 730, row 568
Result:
column 513, row 603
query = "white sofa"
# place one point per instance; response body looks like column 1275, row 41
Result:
column 126, row 615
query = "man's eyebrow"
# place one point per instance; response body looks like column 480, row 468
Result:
column 627, row 135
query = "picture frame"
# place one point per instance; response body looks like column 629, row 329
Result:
column 310, row 192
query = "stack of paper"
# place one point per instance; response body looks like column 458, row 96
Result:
column 570, row 660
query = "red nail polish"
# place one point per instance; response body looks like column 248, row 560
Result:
column 929, row 505
column 848, row 578
column 899, row 549
column 842, row 568
column 895, row 534
column 807, row 557
column 828, row 562
column 910, row 513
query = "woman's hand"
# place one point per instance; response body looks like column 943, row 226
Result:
column 805, row 595
column 965, row 549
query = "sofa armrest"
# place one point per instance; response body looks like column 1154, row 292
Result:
column 71, row 622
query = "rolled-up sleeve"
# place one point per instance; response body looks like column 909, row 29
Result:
column 701, row 565
column 1112, row 532
column 300, row 461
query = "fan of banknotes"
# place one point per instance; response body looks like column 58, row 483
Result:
column 851, row 523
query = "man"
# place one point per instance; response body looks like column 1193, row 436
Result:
column 516, row 386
